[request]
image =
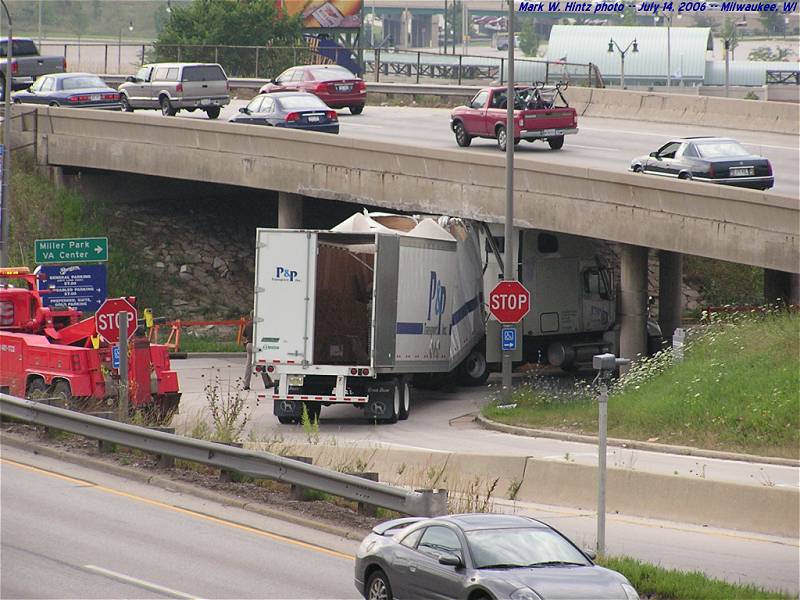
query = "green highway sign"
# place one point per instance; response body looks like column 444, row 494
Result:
column 71, row 250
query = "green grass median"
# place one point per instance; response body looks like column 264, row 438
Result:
column 738, row 389
column 657, row 583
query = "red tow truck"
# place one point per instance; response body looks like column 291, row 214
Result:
column 54, row 353
column 540, row 113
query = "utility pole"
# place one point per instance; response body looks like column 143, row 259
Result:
column 444, row 43
column 727, row 68
column 509, row 260
column 5, row 191
column 669, row 50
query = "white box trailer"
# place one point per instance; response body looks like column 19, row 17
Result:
column 351, row 315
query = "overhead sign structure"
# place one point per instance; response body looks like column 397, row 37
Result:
column 326, row 14
column 71, row 250
column 107, row 319
column 509, row 301
column 73, row 286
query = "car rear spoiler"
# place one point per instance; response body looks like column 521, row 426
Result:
column 395, row 525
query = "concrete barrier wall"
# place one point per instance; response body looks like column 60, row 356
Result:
column 732, row 224
column 760, row 509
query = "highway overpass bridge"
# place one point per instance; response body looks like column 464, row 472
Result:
column 676, row 217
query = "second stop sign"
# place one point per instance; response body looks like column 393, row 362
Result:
column 509, row 302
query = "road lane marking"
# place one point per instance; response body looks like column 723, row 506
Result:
column 183, row 511
column 595, row 148
column 153, row 587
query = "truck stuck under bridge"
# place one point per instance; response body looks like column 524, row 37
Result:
column 361, row 313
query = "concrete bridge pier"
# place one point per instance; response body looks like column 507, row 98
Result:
column 424, row 34
column 633, row 302
column 290, row 211
column 670, row 292
column 780, row 285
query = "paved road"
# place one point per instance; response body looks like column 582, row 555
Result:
column 63, row 537
column 434, row 424
column 601, row 143
column 58, row 518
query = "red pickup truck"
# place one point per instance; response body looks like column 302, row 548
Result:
column 539, row 114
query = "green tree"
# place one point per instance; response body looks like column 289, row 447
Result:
column 772, row 21
column 766, row 53
column 528, row 38
column 201, row 26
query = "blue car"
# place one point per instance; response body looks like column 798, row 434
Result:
column 293, row 110
column 78, row 90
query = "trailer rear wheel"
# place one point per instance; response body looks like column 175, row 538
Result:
column 405, row 399
column 384, row 405
column 313, row 410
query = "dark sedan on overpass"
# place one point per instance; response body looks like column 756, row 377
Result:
column 292, row 110
column 708, row 159
column 77, row 90
column 480, row 557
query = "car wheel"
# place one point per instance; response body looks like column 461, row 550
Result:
column 56, row 104
column 686, row 176
column 378, row 587
column 213, row 112
column 17, row 101
column 637, row 168
column 357, row 110
column 62, row 391
column 556, row 143
column 474, row 371
column 463, row 139
column 166, row 107
column 501, row 138
column 126, row 104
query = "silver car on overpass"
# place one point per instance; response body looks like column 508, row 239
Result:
column 480, row 557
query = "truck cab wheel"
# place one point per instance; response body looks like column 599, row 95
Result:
column 62, row 392
column 556, row 143
column 37, row 388
column 474, row 370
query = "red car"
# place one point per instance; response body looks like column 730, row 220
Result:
column 336, row 86
column 539, row 114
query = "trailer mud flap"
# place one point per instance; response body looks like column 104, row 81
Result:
column 383, row 400
column 287, row 408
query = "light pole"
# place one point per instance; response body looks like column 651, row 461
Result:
column 633, row 47
column 119, row 44
column 509, row 263
column 40, row 25
column 5, row 191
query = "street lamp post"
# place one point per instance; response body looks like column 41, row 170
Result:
column 509, row 262
column 119, row 45
column 633, row 47
column 5, row 191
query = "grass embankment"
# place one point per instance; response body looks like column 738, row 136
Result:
column 40, row 210
column 209, row 344
column 657, row 583
column 737, row 390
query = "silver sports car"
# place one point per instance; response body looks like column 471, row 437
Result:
column 480, row 557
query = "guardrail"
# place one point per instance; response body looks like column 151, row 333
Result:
column 422, row 503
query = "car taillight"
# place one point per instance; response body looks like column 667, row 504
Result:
column 711, row 172
column 64, row 63
column 110, row 96
column 293, row 116
column 332, row 115
column 360, row 86
column 15, row 67
column 76, row 362
column 322, row 87
column 179, row 87
column 78, row 99
column 227, row 85
column 769, row 168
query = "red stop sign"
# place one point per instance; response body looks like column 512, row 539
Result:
column 107, row 319
column 509, row 301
